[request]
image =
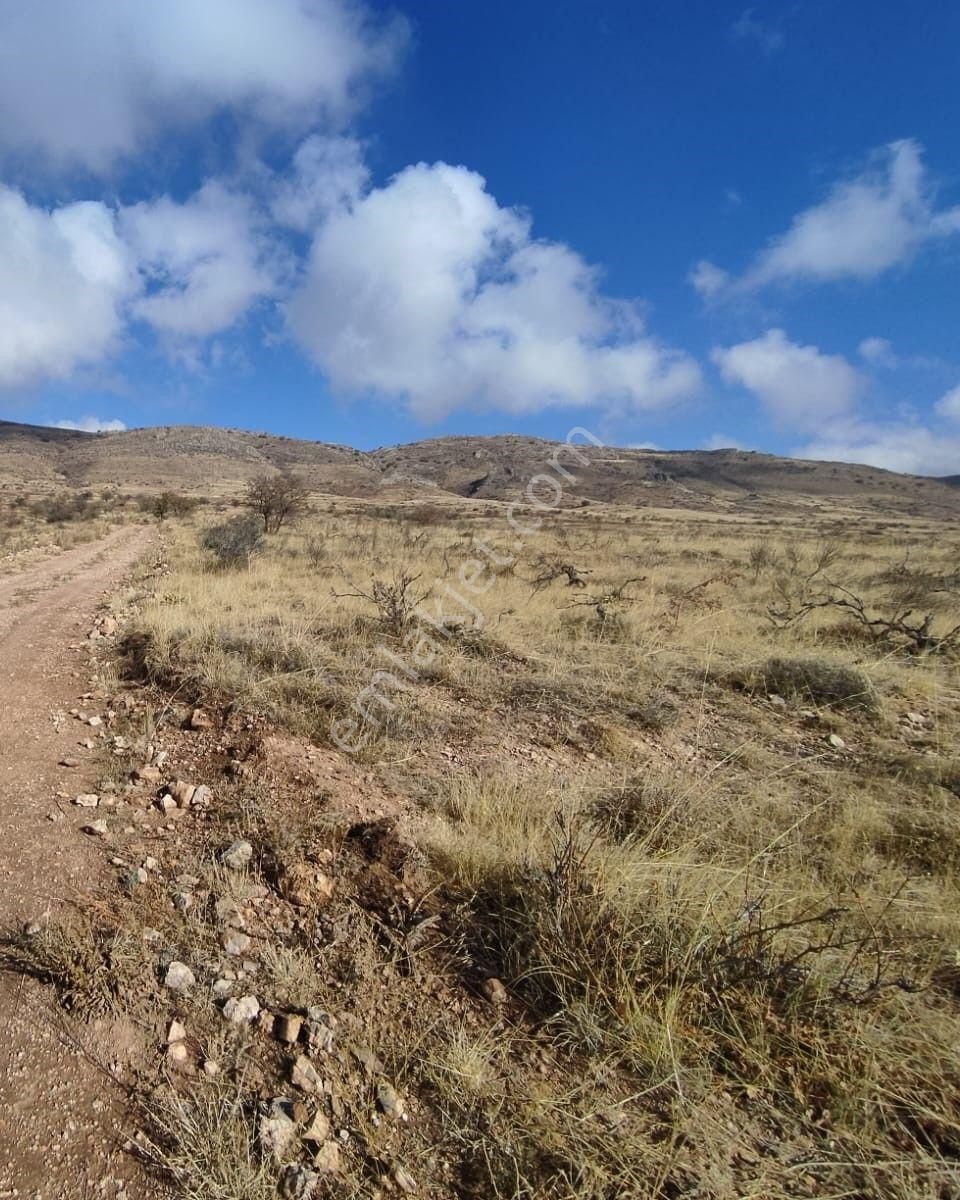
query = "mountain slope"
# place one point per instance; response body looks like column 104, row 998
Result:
column 218, row 462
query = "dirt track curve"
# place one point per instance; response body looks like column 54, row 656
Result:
column 59, row 1109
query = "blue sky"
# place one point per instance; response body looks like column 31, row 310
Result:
column 685, row 225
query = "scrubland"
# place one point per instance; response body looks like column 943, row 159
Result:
column 34, row 524
column 643, row 869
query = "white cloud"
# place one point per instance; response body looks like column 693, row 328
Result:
column 865, row 226
column 878, row 352
column 708, row 279
column 428, row 290
column 91, row 425
column 749, row 28
column 327, row 173
column 205, row 261
column 723, row 441
column 65, row 279
column 84, row 84
column 913, row 449
column 799, row 385
column 949, row 404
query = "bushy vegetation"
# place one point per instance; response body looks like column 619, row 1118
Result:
column 233, row 542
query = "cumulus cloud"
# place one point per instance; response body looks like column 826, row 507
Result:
column 66, row 277
column 865, row 226
column 799, row 385
column 913, row 449
column 327, row 173
column 708, row 279
column 878, row 352
column 949, row 404
column 91, row 425
column 205, row 261
column 428, row 290
column 84, row 84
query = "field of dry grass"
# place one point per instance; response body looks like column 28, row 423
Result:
column 685, row 789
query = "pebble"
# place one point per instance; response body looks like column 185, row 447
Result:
column 87, row 800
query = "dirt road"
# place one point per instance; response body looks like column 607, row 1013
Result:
column 59, row 1111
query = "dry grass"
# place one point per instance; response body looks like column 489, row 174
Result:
column 729, row 940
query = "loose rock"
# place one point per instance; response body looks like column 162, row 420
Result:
column 287, row 1027
column 235, row 943
column 493, row 991
column 179, row 977
column 241, row 1011
column 319, row 1129
column 87, row 800
column 237, row 856
column 327, row 1159
column 276, row 1134
column 304, row 1076
column 390, row 1101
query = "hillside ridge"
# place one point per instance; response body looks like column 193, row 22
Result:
column 219, row 461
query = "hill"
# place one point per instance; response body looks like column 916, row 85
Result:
column 219, row 461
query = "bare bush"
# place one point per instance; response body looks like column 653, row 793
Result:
column 279, row 499
column 394, row 599
column 916, row 636
column 552, row 567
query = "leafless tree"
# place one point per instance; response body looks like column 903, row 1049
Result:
column 279, row 499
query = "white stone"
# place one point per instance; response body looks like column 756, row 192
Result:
column 241, row 1011
column 237, row 856
column 179, row 977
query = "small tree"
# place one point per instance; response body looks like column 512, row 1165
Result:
column 163, row 506
column 278, row 499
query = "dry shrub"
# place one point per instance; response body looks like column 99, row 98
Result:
column 235, row 541
column 641, row 810
column 814, row 681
